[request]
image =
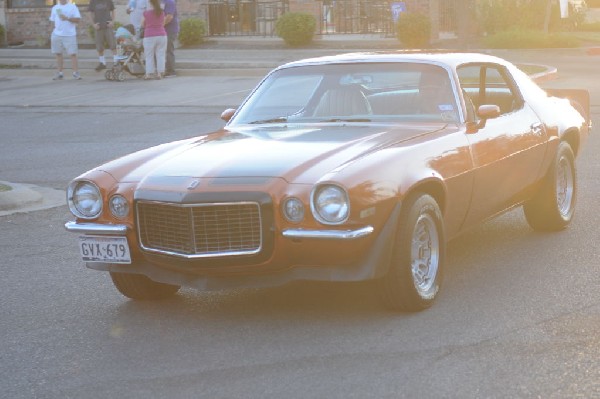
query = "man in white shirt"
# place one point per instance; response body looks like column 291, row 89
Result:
column 65, row 16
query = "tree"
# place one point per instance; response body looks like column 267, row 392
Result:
column 547, row 16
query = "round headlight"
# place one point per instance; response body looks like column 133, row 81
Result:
column 118, row 206
column 84, row 199
column 293, row 210
column 330, row 204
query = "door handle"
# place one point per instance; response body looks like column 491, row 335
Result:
column 537, row 128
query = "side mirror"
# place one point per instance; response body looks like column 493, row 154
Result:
column 484, row 112
column 488, row 111
column 227, row 114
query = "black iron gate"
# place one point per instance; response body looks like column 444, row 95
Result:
column 244, row 17
column 356, row 16
column 448, row 16
column 258, row 17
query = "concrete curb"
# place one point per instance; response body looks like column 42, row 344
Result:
column 28, row 197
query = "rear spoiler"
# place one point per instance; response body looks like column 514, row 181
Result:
column 579, row 98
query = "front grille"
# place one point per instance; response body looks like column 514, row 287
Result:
column 200, row 230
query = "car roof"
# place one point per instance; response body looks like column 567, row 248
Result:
column 449, row 59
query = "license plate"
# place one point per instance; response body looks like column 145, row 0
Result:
column 104, row 249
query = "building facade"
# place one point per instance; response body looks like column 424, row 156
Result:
column 26, row 21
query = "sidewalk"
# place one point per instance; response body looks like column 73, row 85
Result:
column 27, row 198
column 246, row 52
column 215, row 53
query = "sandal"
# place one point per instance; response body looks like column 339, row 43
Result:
column 147, row 77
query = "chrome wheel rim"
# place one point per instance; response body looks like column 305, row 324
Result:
column 425, row 253
column 565, row 186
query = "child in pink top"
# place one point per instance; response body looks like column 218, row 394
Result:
column 155, row 40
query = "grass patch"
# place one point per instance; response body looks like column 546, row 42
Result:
column 589, row 27
column 531, row 69
column 525, row 39
column 589, row 37
column 4, row 187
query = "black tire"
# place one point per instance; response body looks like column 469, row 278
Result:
column 137, row 286
column 552, row 208
column 415, row 274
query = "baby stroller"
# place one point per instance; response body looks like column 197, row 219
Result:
column 130, row 59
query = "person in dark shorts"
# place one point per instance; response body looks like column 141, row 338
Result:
column 103, row 17
column 172, row 28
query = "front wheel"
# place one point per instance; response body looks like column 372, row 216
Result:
column 416, row 270
column 137, row 286
column 552, row 208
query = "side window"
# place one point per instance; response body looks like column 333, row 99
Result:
column 500, row 91
column 489, row 84
column 469, row 78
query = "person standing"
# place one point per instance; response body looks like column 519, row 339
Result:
column 65, row 16
column 103, row 17
column 155, row 40
column 172, row 28
column 135, row 9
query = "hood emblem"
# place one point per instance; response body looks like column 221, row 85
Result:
column 193, row 184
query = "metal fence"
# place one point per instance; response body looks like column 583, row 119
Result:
column 257, row 18
column 356, row 16
column 448, row 18
column 250, row 17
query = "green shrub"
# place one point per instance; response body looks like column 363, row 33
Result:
column 521, row 39
column 413, row 30
column 296, row 28
column 191, row 31
column 504, row 15
column 589, row 27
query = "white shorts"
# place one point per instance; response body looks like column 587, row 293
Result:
column 59, row 44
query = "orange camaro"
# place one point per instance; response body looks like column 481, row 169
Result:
column 345, row 168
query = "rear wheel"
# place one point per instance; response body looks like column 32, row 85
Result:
column 415, row 274
column 553, row 206
column 137, row 286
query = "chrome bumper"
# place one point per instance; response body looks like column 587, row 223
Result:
column 329, row 234
column 121, row 230
column 96, row 228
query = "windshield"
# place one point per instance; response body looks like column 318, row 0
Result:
column 361, row 92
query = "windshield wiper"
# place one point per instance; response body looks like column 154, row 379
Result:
column 271, row 120
column 347, row 120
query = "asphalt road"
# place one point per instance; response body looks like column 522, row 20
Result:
column 519, row 314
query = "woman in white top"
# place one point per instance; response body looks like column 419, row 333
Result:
column 135, row 9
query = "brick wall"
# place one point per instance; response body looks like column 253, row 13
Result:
column 191, row 9
column 28, row 25
column 310, row 7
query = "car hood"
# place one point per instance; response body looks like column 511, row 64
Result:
column 298, row 154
